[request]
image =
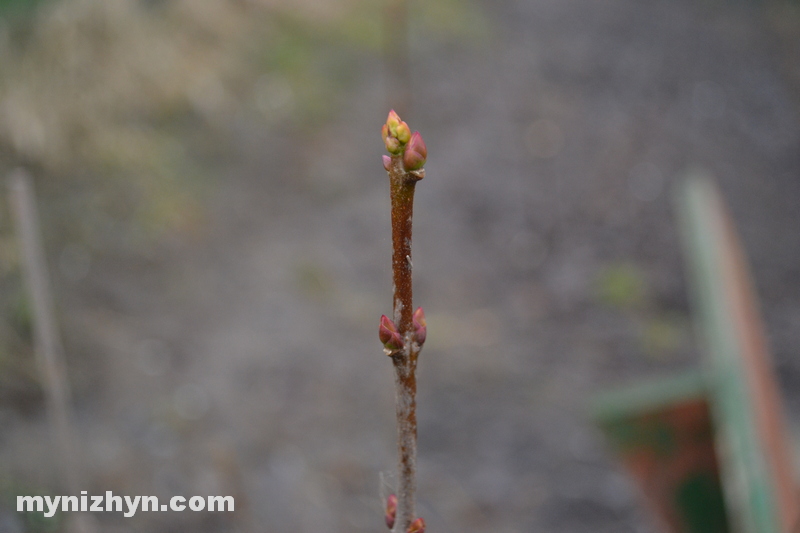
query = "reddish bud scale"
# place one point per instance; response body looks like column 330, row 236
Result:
column 391, row 510
column 417, row 526
column 420, row 326
column 389, row 335
column 416, row 153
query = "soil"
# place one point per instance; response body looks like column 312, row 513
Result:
column 246, row 361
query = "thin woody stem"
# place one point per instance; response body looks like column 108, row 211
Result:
column 405, row 360
column 402, row 193
column 403, row 337
column 406, row 409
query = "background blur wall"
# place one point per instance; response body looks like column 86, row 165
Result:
column 217, row 229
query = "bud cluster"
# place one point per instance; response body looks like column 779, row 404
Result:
column 400, row 141
column 396, row 133
column 391, row 338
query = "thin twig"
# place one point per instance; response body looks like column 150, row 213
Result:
column 405, row 360
column 404, row 335
column 47, row 343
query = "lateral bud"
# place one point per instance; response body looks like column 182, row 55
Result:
column 389, row 335
column 420, row 326
column 417, row 526
column 416, row 153
column 391, row 510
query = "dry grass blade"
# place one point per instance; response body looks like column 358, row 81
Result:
column 48, row 347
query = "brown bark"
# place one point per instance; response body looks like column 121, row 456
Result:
column 405, row 360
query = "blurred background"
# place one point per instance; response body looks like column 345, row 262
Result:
column 216, row 224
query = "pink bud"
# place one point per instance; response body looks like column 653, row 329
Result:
column 387, row 163
column 416, row 153
column 420, row 326
column 389, row 335
column 391, row 510
column 417, row 526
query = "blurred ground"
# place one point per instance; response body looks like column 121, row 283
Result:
column 233, row 349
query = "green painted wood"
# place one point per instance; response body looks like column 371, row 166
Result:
column 662, row 430
column 738, row 379
column 648, row 395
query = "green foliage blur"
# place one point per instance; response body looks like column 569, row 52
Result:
column 624, row 288
column 11, row 8
column 127, row 113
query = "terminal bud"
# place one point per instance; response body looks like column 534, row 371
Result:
column 395, row 133
column 398, row 128
column 393, row 121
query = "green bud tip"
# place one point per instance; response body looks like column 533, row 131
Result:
column 391, row 510
column 393, row 121
column 416, row 153
column 420, row 326
column 403, row 133
column 389, row 335
column 417, row 526
column 397, row 127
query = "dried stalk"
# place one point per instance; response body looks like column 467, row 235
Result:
column 47, row 343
